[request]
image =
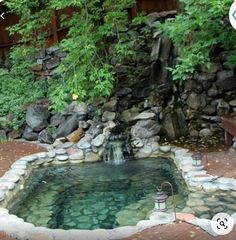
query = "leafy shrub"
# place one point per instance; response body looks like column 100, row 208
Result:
column 15, row 93
column 86, row 71
column 201, row 28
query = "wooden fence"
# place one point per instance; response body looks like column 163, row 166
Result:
column 57, row 33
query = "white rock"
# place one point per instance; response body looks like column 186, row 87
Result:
column 92, row 157
column 2, row 195
column 62, row 158
column 203, row 178
column 144, row 152
column 79, row 155
column 144, row 116
column 60, row 151
column 67, row 145
column 155, row 146
column 19, row 166
column 51, row 154
column 165, row 149
column 11, row 177
column 210, row 187
column 8, row 184
column 42, row 155
column 98, row 141
column 30, row 158
column 20, row 172
column 138, row 143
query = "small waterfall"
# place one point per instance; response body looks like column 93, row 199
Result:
column 114, row 153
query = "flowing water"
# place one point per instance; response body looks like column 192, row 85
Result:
column 99, row 195
column 114, row 153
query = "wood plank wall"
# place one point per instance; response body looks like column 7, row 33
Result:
column 56, row 33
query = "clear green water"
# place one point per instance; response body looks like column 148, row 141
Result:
column 90, row 196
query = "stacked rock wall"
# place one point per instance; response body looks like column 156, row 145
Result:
column 145, row 104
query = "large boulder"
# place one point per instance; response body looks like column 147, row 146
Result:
column 29, row 134
column 68, row 126
column 145, row 129
column 36, row 117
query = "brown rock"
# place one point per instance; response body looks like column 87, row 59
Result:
column 76, row 135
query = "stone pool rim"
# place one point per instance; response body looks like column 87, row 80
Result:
column 193, row 177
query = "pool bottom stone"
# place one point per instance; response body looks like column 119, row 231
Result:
column 92, row 196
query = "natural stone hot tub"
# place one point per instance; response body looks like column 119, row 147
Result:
column 93, row 196
column 48, row 194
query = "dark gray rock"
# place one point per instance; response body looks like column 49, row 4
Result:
column 212, row 92
column 197, row 101
column 210, row 110
column 83, row 124
column 123, row 92
column 57, row 119
column 79, row 108
column 193, row 85
column 36, row 117
column 52, row 63
column 29, row 134
column 67, row 127
column 110, row 106
column 52, row 50
column 226, row 80
column 221, row 76
column 175, row 124
column 41, row 54
column 166, row 45
column 156, row 46
column 45, row 137
column 145, row 129
column 204, row 77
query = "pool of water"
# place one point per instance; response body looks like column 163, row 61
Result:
column 99, row 195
